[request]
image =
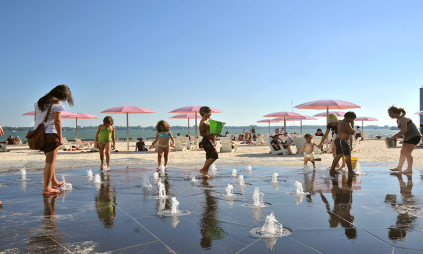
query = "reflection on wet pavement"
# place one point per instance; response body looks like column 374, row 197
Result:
column 375, row 213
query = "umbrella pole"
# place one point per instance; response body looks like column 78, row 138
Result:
column 269, row 128
column 196, row 141
column 188, row 126
column 327, row 114
column 284, row 124
column 301, row 124
column 76, row 127
column 127, row 132
column 362, row 127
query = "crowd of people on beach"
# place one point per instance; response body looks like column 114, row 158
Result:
column 342, row 131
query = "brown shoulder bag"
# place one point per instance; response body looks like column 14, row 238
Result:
column 36, row 137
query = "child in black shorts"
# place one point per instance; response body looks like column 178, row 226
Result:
column 208, row 141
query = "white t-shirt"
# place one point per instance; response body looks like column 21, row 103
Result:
column 40, row 115
column 358, row 131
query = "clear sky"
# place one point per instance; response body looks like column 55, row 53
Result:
column 247, row 58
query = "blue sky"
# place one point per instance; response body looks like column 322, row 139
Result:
column 247, row 58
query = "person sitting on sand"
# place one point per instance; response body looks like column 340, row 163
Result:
column 275, row 143
column 411, row 134
column 103, row 140
column 319, row 133
column 240, row 137
column 163, row 136
column 140, row 145
column 308, row 149
column 10, row 140
column 333, row 123
column 342, row 143
column 18, row 140
column 277, row 131
column 207, row 143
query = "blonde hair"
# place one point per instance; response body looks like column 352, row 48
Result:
column 397, row 110
column 308, row 135
column 162, row 126
column 108, row 120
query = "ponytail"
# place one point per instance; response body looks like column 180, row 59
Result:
column 396, row 110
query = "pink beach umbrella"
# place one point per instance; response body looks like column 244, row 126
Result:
column 419, row 113
column 337, row 113
column 270, row 121
column 127, row 110
column 364, row 118
column 284, row 115
column 327, row 104
column 77, row 116
column 194, row 110
column 64, row 113
column 185, row 116
column 300, row 119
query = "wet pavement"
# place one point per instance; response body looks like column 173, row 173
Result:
column 374, row 213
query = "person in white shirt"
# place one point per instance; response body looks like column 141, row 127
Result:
column 358, row 134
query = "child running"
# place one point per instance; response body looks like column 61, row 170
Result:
column 308, row 149
column 105, row 134
column 342, row 142
column 162, row 136
column 208, row 141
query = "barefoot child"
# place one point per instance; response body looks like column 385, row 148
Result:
column 342, row 142
column 308, row 149
column 105, row 134
column 208, row 141
column 162, row 136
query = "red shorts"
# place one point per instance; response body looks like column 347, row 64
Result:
column 52, row 142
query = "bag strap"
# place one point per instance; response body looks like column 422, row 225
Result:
column 48, row 113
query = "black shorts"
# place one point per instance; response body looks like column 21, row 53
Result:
column 342, row 147
column 415, row 140
column 210, row 148
column 358, row 135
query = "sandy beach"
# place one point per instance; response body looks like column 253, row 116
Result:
column 21, row 156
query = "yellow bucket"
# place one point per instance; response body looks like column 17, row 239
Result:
column 354, row 162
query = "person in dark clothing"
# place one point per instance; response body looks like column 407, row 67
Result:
column 140, row 146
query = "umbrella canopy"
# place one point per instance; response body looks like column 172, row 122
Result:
column 419, row 113
column 186, row 116
column 298, row 119
column 64, row 113
column 269, row 121
column 77, row 116
column 327, row 104
column 337, row 113
column 283, row 115
column 364, row 118
column 127, row 110
column 195, row 110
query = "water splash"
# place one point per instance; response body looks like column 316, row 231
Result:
column 89, row 173
column 97, row 178
column 66, row 187
column 249, row 168
column 271, row 226
column 258, row 198
column 23, row 171
column 213, row 167
column 234, row 172
column 174, row 205
column 358, row 169
column 145, row 182
column 241, row 180
column 229, row 190
column 63, row 179
column 155, row 175
column 162, row 169
column 275, row 178
column 162, row 190
column 193, row 178
column 105, row 166
column 299, row 187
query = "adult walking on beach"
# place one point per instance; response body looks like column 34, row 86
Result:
column 333, row 123
column 411, row 134
column 51, row 103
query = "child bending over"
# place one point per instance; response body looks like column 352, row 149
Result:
column 308, row 148
column 105, row 134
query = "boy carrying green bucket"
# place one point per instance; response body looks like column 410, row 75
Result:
column 208, row 141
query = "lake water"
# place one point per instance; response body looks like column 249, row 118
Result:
column 134, row 134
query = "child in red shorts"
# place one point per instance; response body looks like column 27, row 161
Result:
column 208, row 141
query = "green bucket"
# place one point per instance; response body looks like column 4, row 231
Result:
column 216, row 127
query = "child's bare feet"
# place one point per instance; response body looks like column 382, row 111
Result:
column 351, row 173
column 203, row 172
column 101, row 165
column 158, row 167
column 408, row 171
column 395, row 169
column 166, row 167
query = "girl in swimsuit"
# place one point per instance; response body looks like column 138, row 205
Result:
column 163, row 135
column 105, row 134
